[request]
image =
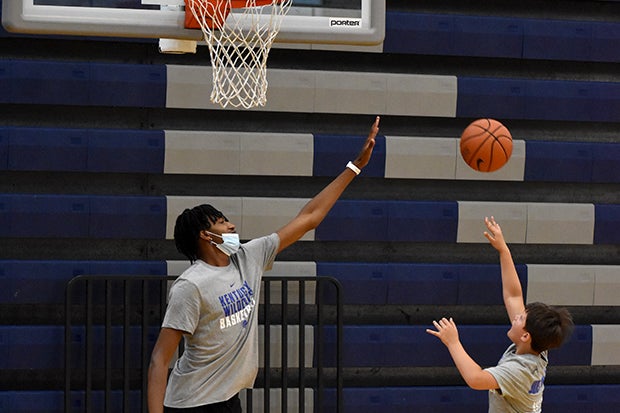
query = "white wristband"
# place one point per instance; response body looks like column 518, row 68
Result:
column 354, row 168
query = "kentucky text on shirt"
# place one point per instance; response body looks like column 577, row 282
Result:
column 237, row 306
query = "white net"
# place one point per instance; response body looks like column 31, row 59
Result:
column 239, row 34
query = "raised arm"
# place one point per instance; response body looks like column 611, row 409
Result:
column 317, row 208
column 472, row 373
column 511, row 285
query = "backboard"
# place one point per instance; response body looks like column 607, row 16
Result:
column 356, row 22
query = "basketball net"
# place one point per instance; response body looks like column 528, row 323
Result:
column 239, row 42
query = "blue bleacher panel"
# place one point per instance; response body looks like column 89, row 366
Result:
column 412, row 346
column 5, row 80
column 41, row 347
column 442, row 34
column 5, row 215
column 4, row 148
column 362, row 283
column 606, row 224
column 332, row 152
column 47, row 149
column 456, row 399
column 126, row 151
column 352, row 220
column 52, row 401
column 538, row 99
column 422, row 284
column 128, row 217
column 557, row 39
column 420, row 221
column 408, row 346
column 77, row 216
column 44, row 82
column 41, row 216
column 437, row 399
column 31, row 347
column 128, row 85
column 481, row 284
column 604, row 104
column 418, row 33
column 354, row 400
column 573, row 399
column 607, row 397
column 488, row 36
column 38, row 281
column 44, row 281
column 605, row 162
column 75, row 83
column 573, row 100
column 493, row 98
column 606, row 42
column 577, row 351
column 362, row 346
column 558, row 161
column 133, row 290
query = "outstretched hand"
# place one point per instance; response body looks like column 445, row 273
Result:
column 364, row 156
column 446, row 331
column 494, row 234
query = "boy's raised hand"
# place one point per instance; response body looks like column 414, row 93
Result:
column 494, row 234
column 446, row 331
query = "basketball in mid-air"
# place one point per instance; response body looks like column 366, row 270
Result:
column 486, row 145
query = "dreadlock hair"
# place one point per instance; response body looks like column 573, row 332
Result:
column 188, row 226
column 548, row 326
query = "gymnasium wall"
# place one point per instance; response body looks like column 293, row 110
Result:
column 103, row 141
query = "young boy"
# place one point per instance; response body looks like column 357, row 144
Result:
column 516, row 384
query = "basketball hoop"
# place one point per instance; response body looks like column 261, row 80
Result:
column 239, row 42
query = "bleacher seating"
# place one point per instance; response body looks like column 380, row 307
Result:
column 552, row 81
column 92, row 84
column 407, row 157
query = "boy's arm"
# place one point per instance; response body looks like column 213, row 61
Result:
column 472, row 373
column 511, row 285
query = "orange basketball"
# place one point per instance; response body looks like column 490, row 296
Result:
column 486, row 145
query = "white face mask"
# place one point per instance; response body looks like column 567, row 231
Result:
column 230, row 244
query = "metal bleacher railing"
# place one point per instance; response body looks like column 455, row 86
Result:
column 112, row 322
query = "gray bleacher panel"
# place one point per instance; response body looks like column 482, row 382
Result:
column 511, row 215
column 561, row 284
column 261, row 218
column 420, row 157
column 605, row 342
column 560, row 223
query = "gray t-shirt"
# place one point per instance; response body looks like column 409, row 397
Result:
column 216, row 308
column 521, row 379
